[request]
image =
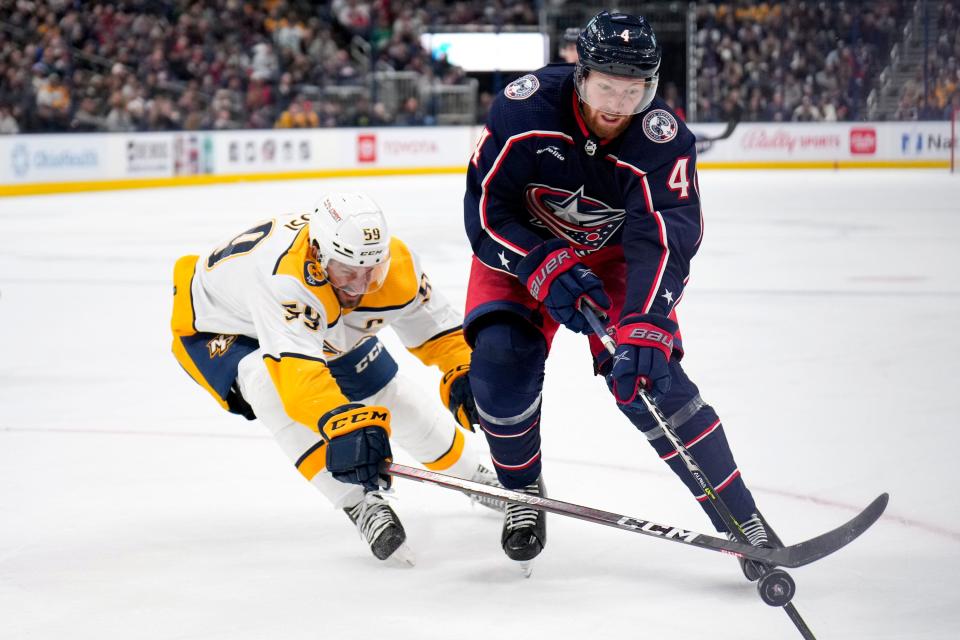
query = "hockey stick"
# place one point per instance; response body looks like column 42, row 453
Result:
column 704, row 142
column 775, row 586
column 793, row 556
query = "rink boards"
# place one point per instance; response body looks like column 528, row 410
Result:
column 37, row 164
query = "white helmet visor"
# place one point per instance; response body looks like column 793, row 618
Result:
column 357, row 280
column 616, row 95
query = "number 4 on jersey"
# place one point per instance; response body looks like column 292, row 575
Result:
column 678, row 180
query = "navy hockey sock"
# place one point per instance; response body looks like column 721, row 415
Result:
column 701, row 431
column 506, row 376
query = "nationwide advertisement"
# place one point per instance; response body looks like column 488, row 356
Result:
column 928, row 140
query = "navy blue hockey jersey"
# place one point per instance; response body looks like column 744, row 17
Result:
column 537, row 174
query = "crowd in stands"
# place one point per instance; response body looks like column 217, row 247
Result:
column 934, row 94
column 160, row 65
column 792, row 61
column 68, row 65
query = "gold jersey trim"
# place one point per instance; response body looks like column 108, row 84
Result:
column 183, row 321
column 296, row 263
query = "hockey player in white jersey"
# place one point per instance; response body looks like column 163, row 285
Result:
column 280, row 323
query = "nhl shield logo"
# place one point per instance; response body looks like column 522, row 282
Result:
column 660, row 126
column 522, row 88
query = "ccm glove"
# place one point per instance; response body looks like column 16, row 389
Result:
column 554, row 275
column 641, row 361
column 457, row 396
column 358, row 441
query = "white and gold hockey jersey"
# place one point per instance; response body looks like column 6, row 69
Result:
column 263, row 288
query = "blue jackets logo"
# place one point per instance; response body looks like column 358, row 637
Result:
column 586, row 223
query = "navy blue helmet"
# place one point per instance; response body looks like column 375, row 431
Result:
column 623, row 52
column 620, row 45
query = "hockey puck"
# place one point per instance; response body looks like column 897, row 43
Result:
column 776, row 588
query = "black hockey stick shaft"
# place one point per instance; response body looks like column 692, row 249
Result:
column 733, row 525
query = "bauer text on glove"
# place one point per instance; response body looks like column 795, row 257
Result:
column 555, row 276
column 641, row 361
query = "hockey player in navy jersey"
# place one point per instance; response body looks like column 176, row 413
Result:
column 583, row 187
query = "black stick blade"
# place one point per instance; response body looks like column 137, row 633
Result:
column 811, row 550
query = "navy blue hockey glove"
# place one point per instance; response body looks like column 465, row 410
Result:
column 457, row 396
column 641, row 361
column 358, row 441
column 554, row 275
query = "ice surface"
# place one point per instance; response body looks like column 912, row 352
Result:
column 820, row 320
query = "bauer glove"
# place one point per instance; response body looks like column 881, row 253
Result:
column 457, row 396
column 358, row 441
column 554, row 275
column 642, row 358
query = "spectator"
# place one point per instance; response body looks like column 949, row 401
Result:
column 568, row 45
column 85, row 119
column 779, row 48
column 299, row 115
column 410, row 114
column 806, row 111
column 53, row 103
column 8, row 124
column 671, row 95
column 226, row 64
column 119, row 118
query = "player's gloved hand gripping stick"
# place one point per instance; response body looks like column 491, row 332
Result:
column 358, row 443
column 555, row 276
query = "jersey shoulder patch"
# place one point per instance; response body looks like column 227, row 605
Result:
column 522, row 88
column 660, row 126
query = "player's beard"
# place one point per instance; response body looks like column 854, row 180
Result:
column 346, row 300
column 604, row 125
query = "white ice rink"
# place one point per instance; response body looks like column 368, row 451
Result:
column 820, row 321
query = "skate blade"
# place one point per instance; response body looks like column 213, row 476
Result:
column 526, row 568
column 402, row 558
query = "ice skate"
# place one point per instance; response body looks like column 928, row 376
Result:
column 379, row 525
column 525, row 529
column 489, row 478
column 759, row 534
